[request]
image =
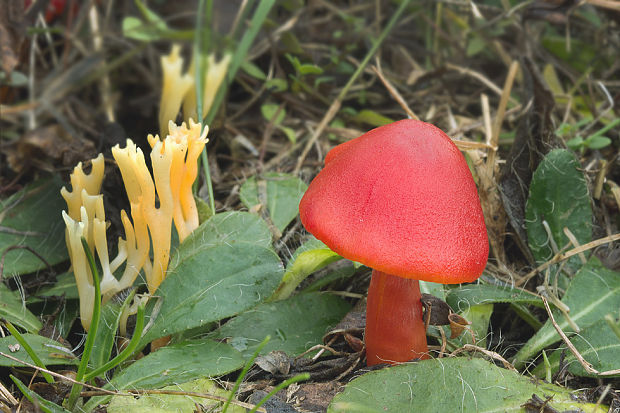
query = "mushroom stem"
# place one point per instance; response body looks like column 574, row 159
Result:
column 395, row 330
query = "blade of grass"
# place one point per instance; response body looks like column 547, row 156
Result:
column 22, row 342
column 90, row 337
column 333, row 109
column 245, row 370
column 240, row 53
column 201, row 49
column 127, row 352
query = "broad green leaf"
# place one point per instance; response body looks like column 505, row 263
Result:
column 44, row 405
column 164, row 403
column 281, row 192
column 450, row 385
column 598, row 344
column 51, row 352
column 228, row 227
column 13, row 309
column 216, row 273
column 294, row 325
column 22, row 223
column 310, row 257
column 464, row 296
column 559, row 196
column 175, row 363
column 593, row 293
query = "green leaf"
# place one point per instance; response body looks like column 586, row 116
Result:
column 593, row 292
column 559, row 196
column 164, row 403
column 13, row 309
column 597, row 142
column 289, row 132
column 464, row 296
column 281, row 192
column 136, row 29
column 372, row 118
column 448, row 385
column 276, row 85
column 598, row 344
column 269, row 111
column 475, row 45
column 221, row 270
column 23, row 224
column 310, row 257
column 253, row 70
column 225, row 228
column 51, row 352
column 175, row 363
column 294, row 325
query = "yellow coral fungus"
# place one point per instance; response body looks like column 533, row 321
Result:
column 216, row 73
column 186, row 144
column 175, row 87
column 79, row 181
column 155, row 202
column 81, row 270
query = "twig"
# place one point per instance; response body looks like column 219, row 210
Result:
column 7, row 395
column 60, row 376
column 393, row 92
column 479, row 76
column 492, row 354
column 499, row 116
column 587, row 366
column 566, row 255
column 147, row 392
column 98, row 391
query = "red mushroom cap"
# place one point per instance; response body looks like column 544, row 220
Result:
column 400, row 199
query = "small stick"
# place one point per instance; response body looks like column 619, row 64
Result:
column 394, row 93
column 587, row 366
column 98, row 391
column 492, row 354
column 566, row 255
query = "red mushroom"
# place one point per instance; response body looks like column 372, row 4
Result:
column 401, row 200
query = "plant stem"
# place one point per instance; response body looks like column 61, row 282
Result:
column 395, row 330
